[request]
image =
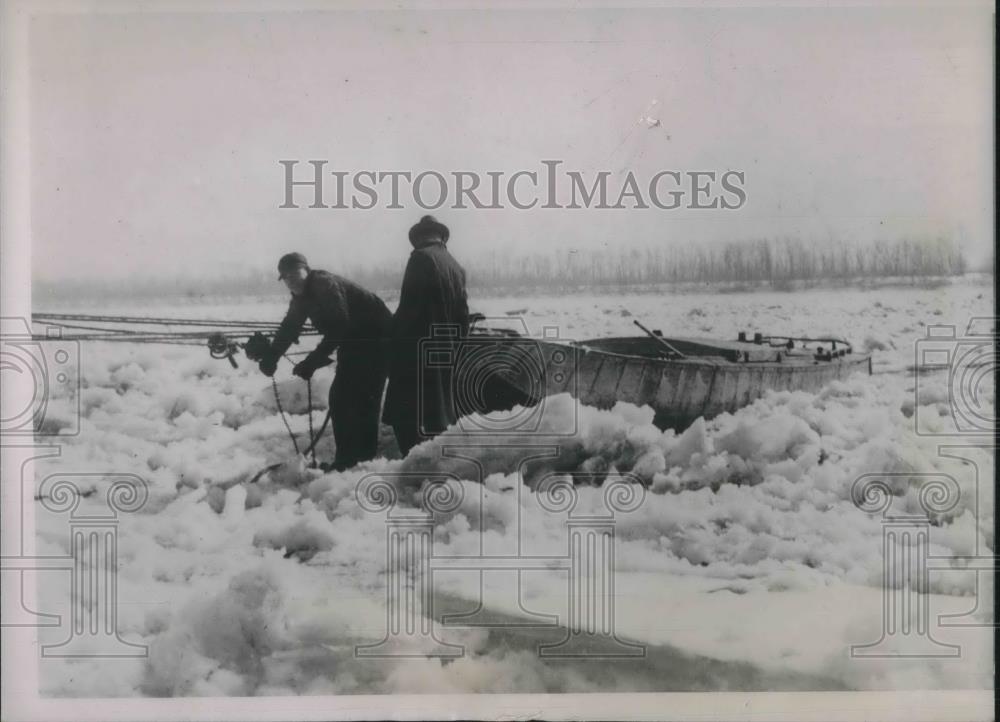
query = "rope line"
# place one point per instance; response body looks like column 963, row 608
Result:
column 313, row 435
column 319, row 434
column 150, row 320
column 88, row 328
column 309, row 394
column 102, row 328
column 281, row 410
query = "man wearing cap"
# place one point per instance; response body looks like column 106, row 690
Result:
column 354, row 322
column 420, row 400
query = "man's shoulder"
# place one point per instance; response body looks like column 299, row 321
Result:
column 424, row 251
column 324, row 280
column 421, row 259
column 434, row 254
column 318, row 278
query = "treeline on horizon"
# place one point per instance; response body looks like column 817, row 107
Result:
column 774, row 263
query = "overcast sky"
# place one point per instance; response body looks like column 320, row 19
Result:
column 156, row 137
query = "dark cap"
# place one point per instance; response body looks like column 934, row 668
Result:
column 290, row 261
column 428, row 227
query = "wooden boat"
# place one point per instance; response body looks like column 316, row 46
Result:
column 682, row 379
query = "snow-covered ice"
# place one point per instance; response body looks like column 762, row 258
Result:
column 747, row 566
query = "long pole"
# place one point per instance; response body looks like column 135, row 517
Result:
column 659, row 339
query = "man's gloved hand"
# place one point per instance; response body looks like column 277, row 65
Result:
column 268, row 365
column 305, row 368
column 257, row 347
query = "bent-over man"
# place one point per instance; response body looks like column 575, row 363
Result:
column 354, row 322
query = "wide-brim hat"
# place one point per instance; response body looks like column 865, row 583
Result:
column 429, row 227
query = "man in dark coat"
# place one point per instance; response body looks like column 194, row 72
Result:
column 433, row 307
column 354, row 322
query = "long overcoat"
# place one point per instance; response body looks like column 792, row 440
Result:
column 432, row 317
